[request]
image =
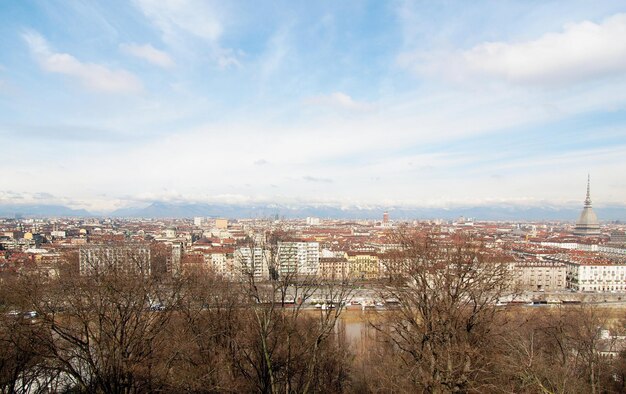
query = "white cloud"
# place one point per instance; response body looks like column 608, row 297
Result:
column 278, row 47
column 197, row 18
column 349, row 150
column 340, row 100
column 12, row 197
column 581, row 51
column 310, row 178
column 92, row 76
column 149, row 53
column 227, row 57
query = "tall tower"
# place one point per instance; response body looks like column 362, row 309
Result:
column 587, row 223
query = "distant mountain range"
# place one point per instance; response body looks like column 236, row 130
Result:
column 189, row 210
column 41, row 211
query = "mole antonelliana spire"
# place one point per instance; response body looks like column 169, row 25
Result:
column 587, row 223
column 588, row 198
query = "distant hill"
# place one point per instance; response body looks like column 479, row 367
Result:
column 41, row 211
column 189, row 210
column 173, row 210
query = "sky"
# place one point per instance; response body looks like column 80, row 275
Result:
column 111, row 104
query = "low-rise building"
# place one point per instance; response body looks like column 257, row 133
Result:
column 539, row 275
column 593, row 275
column 333, row 268
column 363, row 265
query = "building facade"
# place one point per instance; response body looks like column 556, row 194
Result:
column 333, row 268
column 252, row 261
column 363, row 265
column 589, row 276
column 300, row 257
column 539, row 275
column 124, row 258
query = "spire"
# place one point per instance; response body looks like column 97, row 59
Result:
column 588, row 199
column 587, row 223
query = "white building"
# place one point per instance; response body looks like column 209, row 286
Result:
column 58, row 234
column 301, row 257
column 252, row 261
column 594, row 276
column 311, row 221
column 222, row 261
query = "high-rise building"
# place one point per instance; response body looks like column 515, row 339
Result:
column 587, row 223
column 312, row 221
column 177, row 253
column 252, row 261
column 122, row 258
column 301, row 257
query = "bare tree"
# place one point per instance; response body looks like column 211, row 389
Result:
column 104, row 330
column 536, row 353
column 287, row 345
column 589, row 322
column 21, row 350
column 201, row 350
column 447, row 291
column 558, row 350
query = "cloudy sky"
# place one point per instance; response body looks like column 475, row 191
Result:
column 419, row 103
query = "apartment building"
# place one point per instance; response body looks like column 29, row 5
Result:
column 333, row 268
column 252, row 261
column 593, row 275
column 539, row 275
column 121, row 258
column 301, row 257
column 363, row 265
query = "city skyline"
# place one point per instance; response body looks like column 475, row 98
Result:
column 108, row 105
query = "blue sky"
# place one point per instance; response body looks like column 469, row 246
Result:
column 113, row 103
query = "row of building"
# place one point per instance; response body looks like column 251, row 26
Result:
column 542, row 255
column 533, row 267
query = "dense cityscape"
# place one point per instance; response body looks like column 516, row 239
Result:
column 360, row 275
column 280, row 197
column 582, row 257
